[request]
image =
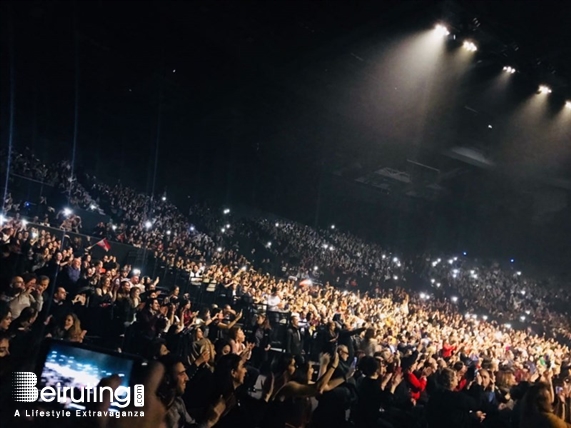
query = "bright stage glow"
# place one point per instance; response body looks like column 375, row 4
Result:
column 568, row 104
column 509, row 69
column 441, row 30
column 469, row 46
column 544, row 89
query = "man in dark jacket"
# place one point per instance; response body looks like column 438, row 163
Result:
column 294, row 343
column 447, row 407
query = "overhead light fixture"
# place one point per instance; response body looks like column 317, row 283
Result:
column 470, row 46
column 509, row 69
column 568, row 104
column 543, row 89
column 441, row 30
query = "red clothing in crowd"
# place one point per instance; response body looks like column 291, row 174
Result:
column 447, row 350
column 417, row 386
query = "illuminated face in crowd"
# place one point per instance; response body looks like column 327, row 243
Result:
column 68, row 322
column 4, row 348
column 6, row 321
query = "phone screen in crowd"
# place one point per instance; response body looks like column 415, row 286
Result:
column 558, row 390
column 79, row 366
column 354, row 363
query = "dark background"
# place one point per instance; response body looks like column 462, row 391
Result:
column 282, row 105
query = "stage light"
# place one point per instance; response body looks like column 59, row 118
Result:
column 148, row 224
column 568, row 104
column 544, row 89
column 512, row 260
column 509, row 69
column 465, row 253
column 469, row 46
column 441, row 30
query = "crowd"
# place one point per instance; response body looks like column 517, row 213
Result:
column 272, row 351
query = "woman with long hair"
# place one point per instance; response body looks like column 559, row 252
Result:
column 537, row 409
column 69, row 328
column 291, row 405
column 261, row 338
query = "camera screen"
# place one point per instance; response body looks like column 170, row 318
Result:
column 77, row 368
